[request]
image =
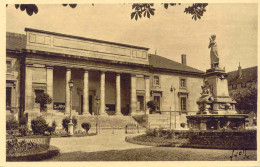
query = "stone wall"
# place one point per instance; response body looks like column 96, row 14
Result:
column 192, row 90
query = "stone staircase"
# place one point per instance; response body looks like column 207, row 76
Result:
column 110, row 123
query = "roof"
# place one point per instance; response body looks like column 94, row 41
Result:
column 159, row 62
column 15, row 41
column 84, row 38
column 248, row 75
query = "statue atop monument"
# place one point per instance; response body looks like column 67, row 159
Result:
column 214, row 58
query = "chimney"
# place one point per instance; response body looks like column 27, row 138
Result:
column 239, row 71
column 183, row 59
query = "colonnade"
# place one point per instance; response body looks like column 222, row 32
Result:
column 49, row 86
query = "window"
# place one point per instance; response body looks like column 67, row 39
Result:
column 156, row 81
column 183, row 83
column 8, row 66
column 157, row 99
column 183, row 103
column 140, row 103
column 8, row 97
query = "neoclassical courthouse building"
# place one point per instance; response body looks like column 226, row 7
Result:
column 124, row 77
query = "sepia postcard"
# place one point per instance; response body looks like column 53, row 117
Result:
column 129, row 83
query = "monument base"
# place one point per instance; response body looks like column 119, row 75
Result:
column 216, row 122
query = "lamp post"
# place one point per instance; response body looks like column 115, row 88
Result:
column 173, row 89
column 70, row 125
column 97, row 102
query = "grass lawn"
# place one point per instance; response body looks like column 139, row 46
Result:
column 155, row 154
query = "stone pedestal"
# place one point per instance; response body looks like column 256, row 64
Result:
column 70, row 129
column 216, row 107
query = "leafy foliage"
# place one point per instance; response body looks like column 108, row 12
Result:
column 33, row 9
column 39, row 125
column 152, row 105
column 86, row 126
column 66, row 121
column 43, row 99
column 51, row 128
column 196, row 10
column 23, row 130
column 11, row 124
column 246, row 100
column 146, row 10
column 140, row 9
column 23, row 120
column 23, row 147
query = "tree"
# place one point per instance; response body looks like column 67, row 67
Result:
column 33, row 9
column 246, row 100
column 43, row 99
column 152, row 105
column 140, row 9
column 146, row 10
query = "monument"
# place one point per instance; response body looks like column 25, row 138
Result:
column 216, row 107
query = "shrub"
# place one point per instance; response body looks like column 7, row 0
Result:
column 43, row 99
column 23, row 147
column 23, row 130
column 66, row 121
column 11, row 124
column 152, row 105
column 86, row 126
column 39, row 125
column 23, row 120
column 51, row 128
column 183, row 125
column 151, row 132
column 169, row 134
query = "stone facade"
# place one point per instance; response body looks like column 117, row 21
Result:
column 122, row 76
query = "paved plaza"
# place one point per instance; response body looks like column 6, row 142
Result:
column 112, row 147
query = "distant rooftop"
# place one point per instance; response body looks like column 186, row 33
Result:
column 248, row 75
column 15, row 41
column 159, row 62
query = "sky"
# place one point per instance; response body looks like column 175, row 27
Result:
column 170, row 32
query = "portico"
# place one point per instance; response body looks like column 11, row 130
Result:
column 113, row 78
column 117, row 94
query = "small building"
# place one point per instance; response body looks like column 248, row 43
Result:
column 124, row 77
column 242, row 78
column 239, row 81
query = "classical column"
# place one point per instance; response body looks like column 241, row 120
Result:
column 86, row 95
column 28, row 87
column 102, row 93
column 50, row 84
column 67, row 102
column 118, row 95
column 133, row 95
column 147, row 92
